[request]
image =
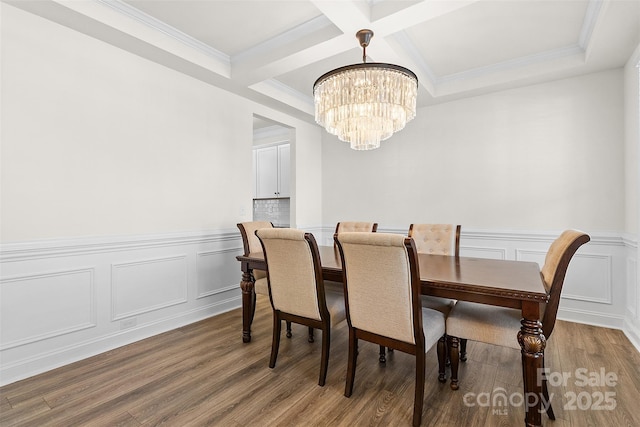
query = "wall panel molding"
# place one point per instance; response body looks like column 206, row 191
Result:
column 136, row 287
column 531, row 255
column 229, row 279
column 591, row 281
column 30, row 251
column 208, row 284
column 142, row 286
column 30, row 311
column 594, row 269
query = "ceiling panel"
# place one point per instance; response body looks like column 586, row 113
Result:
column 230, row 26
column 274, row 50
column 487, row 33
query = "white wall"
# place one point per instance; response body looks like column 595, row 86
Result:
column 543, row 157
column 632, row 142
column 97, row 141
column 514, row 168
column 632, row 164
column 122, row 183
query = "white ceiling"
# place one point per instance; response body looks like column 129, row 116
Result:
column 273, row 50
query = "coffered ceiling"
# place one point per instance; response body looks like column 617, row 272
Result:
column 272, row 51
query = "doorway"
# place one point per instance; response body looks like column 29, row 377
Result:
column 271, row 153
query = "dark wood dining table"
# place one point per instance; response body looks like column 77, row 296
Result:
column 514, row 284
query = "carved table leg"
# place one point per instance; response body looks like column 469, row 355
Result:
column 532, row 342
column 248, row 304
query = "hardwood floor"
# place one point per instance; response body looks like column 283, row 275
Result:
column 202, row 374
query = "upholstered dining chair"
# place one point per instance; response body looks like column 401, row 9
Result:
column 499, row 325
column 354, row 226
column 351, row 226
column 438, row 239
column 296, row 288
column 251, row 244
column 382, row 294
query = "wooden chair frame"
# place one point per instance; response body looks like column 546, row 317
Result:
column 548, row 320
column 463, row 342
column 417, row 349
column 247, row 251
column 324, row 324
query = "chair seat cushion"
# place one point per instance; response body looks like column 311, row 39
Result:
column 261, row 286
column 433, row 325
column 484, row 323
column 259, row 274
column 442, row 305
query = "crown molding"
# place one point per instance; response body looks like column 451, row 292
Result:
column 156, row 24
column 276, row 89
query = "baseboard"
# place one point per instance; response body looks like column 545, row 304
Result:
column 632, row 332
column 28, row 367
column 591, row 318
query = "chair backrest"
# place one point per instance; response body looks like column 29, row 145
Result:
column 350, row 226
column 294, row 272
column 554, row 271
column 436, row 239
column 248, row 232
column 382, row 285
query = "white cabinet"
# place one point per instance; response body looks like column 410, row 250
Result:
column 272, row 171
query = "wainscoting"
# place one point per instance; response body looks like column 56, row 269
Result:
column 65, row 300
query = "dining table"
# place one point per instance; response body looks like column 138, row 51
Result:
column 498, row 282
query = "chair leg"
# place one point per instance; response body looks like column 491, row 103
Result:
column 448, row 350
column 324, row 360
column 288, row 329
column 547, row 400
column 419, row 391
column 455, row 358
column 351, row 363
column 442, row 358
column 311, row 334
column 383, row 355
column 463, row 350
column 545, row 393
column 253, row 307
column 275, row 343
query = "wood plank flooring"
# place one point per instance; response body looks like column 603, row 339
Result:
column 202, row 374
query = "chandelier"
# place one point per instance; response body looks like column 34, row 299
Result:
column 363, row 104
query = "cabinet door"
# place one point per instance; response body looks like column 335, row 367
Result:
column 283, row 170
column 267, row 172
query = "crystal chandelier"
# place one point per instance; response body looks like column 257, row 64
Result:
column 363, row 104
